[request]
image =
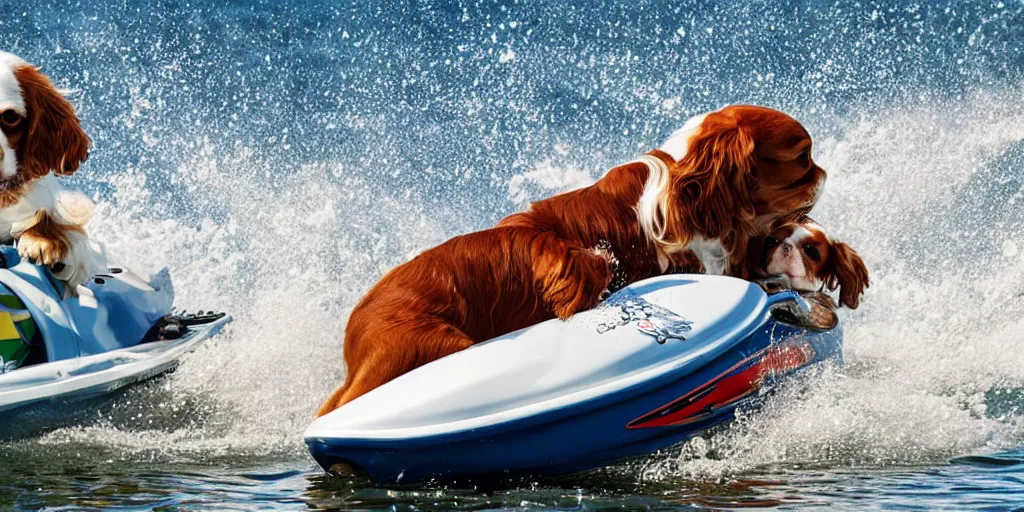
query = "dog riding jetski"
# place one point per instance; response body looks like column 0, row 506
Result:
column 658, row 362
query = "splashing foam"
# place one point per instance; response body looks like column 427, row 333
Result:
column 926, row 353
column 288, row 261
column 939, row 339
column 289, row 270
column 545, row 179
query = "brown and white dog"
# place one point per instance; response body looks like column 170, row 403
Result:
column 40, row 139
column 811, row 261
column 723, row 177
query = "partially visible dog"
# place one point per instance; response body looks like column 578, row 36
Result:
column 41, row 138
column 723, row 177
column 811, row 261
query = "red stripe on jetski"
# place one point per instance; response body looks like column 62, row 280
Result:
column 731, row 386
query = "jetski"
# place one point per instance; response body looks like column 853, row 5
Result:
column 119, row 330
column 658, row 362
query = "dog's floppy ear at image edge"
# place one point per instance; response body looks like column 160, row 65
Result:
column 55, row 140
column 848, row 273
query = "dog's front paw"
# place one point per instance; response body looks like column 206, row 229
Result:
column 604, row 250
column 582, row 287
column 83, row 262
column 39, row 250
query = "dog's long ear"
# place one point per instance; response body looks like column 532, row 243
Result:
column 55, row 140
column 848, row 273
column 711, row 187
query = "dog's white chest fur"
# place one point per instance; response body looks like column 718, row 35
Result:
column 40, row 194
column 84, row 258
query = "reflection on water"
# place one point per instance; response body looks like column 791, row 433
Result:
column 970, row 483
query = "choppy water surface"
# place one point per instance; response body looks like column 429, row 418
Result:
column 279, row 157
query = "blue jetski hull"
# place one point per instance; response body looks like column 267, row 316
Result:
column 643, row 372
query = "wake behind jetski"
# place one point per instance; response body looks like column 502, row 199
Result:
column 56, row 353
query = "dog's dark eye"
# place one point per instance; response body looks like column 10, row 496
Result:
column 812, row 252
column 10, row 118
column 770, row 242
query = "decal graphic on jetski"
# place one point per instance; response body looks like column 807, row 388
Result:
column 651, row 319
column 732, row 386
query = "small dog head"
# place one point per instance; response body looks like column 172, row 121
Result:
column 39, row 131
column 802, row 251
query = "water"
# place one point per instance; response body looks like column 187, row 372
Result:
column 280, row 156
